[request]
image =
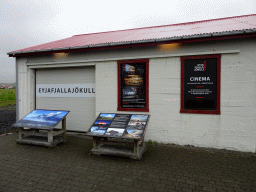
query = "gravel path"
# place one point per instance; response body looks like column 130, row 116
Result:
column 7, row 119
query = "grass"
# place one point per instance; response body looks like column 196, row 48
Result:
column 7, row 97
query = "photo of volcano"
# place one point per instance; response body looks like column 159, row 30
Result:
column 133, row 133
column 138, row 122
column 97, row 130
column 114, row 132
column 139, row 117
column 102, row 122
column 106, row 116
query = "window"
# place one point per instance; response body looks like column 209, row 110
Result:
column 133, row 85
column 200, row 84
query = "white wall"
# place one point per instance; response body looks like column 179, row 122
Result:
column 232, row 129
column 25, row 88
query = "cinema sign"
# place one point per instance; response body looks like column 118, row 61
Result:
column 200, row 84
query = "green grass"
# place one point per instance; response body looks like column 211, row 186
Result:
column 7, row 97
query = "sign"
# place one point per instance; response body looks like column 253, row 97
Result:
column 43, row 119
column 133, row 85
column 119, row 125
column 65, row 90
column 200, row 84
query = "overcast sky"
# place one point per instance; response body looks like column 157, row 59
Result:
column 25, row 23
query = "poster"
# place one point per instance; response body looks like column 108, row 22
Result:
column 200, row 84
column 119, row 125
column 41, row 119
column 133, row 85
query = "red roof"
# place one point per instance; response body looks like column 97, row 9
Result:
column 199, row 29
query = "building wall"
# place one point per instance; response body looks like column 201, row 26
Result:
column 232, row 129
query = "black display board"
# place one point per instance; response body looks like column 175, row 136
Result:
column 200, row 84
column 119, row 125
column 133, row 85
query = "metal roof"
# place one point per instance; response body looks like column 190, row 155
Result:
column 200, row 29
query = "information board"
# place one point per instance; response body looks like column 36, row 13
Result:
column 42, row 119
column 119, row 125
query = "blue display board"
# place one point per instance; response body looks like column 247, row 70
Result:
column 42, row 119
column 119, row 125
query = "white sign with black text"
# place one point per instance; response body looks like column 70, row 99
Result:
column 65, row 90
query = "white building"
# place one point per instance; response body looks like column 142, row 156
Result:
column 196, row 80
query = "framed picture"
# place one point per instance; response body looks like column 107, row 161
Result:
column 133, row 85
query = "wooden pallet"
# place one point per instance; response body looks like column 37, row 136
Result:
column 43, row 137
column 132, row 148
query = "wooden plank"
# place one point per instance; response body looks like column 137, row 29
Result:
column 42, row 141
column 125, row 143
column 58, row 132
column 136, row 151
column 64, row 124
column 34, row 133
column 20, row 133
column 50, row 136
column 95, row 142
column 125, row 152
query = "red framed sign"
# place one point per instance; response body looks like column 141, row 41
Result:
column 133, row 85
column 200, row 84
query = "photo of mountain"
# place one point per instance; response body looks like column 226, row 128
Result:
column 97, row 130
column 133, row 133
column 114, row 132
column 139, row 117
column 136, row 125
column 106, row 116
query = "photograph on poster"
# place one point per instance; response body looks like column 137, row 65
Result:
column 106, row 116
column 129, row 92
column 133, row 88
column 114, row 132
column 97, row 130
column 133, row 80
column 42, row 118
column 129, row 69
column 102, row 122
column 133, row 133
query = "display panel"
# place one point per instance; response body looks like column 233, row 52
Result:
column 43, row 119
column 133, row 85
column 119, row 125
column 200, row 84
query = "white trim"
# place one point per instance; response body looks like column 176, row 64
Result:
column 59, row 64
column 91, row 62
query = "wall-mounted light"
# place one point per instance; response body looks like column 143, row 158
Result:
column 60, row 55
column 169, row 46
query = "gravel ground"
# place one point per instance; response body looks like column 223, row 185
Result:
column 7, row 119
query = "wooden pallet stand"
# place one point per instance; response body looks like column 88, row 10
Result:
column 132, row 148
column 44, row 137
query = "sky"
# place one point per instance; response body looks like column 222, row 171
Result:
column 25, row 23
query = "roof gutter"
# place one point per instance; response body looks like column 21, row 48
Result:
column 184, row 39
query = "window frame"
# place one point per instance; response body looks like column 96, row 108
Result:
column 218, row 82
column 119, row 64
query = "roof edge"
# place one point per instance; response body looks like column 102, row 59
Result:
column 191, row 38
column 200, row 21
